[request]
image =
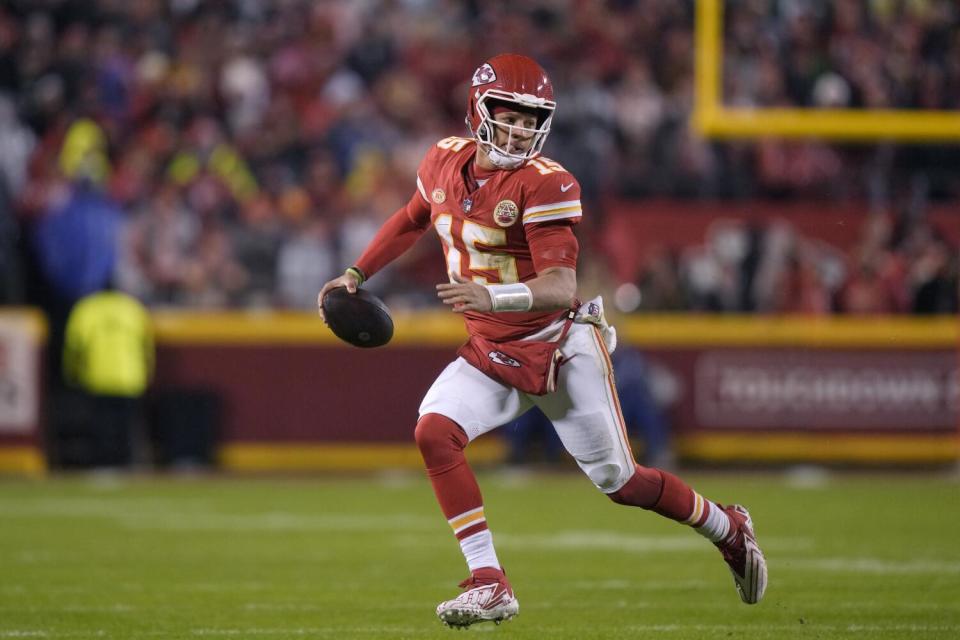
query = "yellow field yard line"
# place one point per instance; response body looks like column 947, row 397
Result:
column 867, row 448
column 343, row 456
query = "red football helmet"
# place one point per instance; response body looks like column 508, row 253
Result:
column 520, row 84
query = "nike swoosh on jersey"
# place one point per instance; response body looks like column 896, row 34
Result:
column 565, row 187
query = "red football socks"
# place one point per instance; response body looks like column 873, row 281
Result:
column 441, row 442
column 666, row 494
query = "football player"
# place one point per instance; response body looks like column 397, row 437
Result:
column 504, row 214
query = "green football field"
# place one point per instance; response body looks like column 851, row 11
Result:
column 851, row 556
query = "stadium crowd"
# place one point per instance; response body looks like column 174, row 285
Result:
column 237, row 152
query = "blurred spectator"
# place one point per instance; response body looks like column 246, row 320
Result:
column 11, row 271
column 109, row 355
column 931, row 272
column 160, row 249
column 255, row 242
column 866, row 292
column 642, row 411
column 305, row 262
column 531, row 437
column 76, row 242
column 16, row 145
column 209, row 159
column 660, row 287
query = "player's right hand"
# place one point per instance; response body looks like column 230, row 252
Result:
column 348, row 280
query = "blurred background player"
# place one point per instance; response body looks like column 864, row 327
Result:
column 504, row 214
column 109, row 356
column 531, row 437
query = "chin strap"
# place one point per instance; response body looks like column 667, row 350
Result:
column 502, row 160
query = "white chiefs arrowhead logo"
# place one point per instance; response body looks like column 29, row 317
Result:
column 484, row 75
column 501, row 358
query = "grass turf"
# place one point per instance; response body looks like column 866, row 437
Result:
column 151, row 557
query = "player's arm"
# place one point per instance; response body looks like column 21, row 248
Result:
column 398, row 233
column 553, row 288
column 554, row 250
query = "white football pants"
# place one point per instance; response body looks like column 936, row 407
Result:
column 584, row 410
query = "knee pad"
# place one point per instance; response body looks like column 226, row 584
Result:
column 606, row 476
column 643, row 489
column 441, row 440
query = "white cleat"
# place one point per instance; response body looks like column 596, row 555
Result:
column 744, row 557
column 488, row 598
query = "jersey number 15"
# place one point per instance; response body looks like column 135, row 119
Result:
column 479, row 242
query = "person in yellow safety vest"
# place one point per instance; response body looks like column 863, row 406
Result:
column 109, row 354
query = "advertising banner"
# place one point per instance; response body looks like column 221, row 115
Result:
column 22, row 337
column 833, row 390
column 19, row 376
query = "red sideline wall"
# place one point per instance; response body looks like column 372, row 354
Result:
column 308, row 392
column 760, row 389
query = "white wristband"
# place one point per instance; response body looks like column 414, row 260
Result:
column 510, row 297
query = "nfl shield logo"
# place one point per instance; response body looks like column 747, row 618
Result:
column 467, row 204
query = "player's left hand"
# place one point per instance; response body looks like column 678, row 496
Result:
column 464, row 295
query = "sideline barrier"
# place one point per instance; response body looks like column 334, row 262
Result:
column 856, row 390
column 23, row 335
column 750, row 389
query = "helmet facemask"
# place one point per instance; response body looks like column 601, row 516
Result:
column 485, row 133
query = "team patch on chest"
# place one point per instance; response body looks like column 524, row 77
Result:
column 439, row 196
column 506, row 213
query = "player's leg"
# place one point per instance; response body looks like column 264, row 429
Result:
column 461, row 405
column 586, row 414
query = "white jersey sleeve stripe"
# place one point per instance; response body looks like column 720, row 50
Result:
column 549, row 207
column 423, row 192
column 554, row 214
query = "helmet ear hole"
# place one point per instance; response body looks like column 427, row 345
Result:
column 484, row 132
column 542, row 116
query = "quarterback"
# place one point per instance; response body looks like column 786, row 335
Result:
column 505, row 214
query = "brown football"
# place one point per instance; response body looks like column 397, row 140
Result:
column 360, row 318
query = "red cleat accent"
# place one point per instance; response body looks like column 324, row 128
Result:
column 488, row 598
column 743, row 556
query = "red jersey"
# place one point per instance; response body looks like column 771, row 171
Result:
column 487, row 234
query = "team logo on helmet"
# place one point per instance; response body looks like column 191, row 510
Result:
column 506, row 213
column 483, row 75
column 438, row 196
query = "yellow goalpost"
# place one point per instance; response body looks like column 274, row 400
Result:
column 715, row 120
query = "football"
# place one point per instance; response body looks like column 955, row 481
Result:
column 360, row 318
